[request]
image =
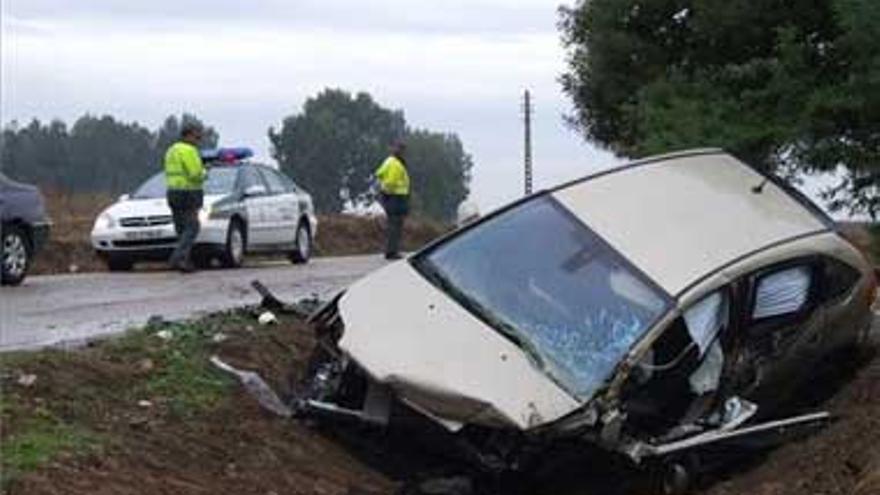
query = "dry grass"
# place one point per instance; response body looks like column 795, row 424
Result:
column 72, row 215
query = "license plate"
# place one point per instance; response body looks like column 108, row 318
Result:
column 139, row 235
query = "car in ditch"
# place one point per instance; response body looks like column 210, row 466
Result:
column 24, row 229
column 248, row 208
column 656, row 310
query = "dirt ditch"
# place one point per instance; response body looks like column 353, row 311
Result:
column 146, row 414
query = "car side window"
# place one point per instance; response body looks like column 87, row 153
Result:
column 250, row 178
column 839, row 279
column 784, row 292
column 276, row 186
column 288, row 182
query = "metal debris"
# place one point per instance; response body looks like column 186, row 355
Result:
column 257, row 387
column 270, row 302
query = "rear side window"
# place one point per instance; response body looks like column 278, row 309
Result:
column 276, row 186
column 782, row 293
column 288, row 182
column 839, row 279
column 250, row 177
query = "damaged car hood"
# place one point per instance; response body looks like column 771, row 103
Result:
column 440, row 359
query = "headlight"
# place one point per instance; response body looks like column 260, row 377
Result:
column 105, row 221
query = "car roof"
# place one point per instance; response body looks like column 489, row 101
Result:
column 684, row 216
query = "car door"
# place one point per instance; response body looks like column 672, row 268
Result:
column 257, row 201
column 283, row 214
column 678, row 378
column 783, row 329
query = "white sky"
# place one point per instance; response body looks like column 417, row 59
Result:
column 457, row 66
column 242, row 66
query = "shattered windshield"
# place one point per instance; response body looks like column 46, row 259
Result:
column 539, row 276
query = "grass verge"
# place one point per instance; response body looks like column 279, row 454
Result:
column 147, row 413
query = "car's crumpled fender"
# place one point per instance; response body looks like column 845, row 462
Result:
column 441, row 359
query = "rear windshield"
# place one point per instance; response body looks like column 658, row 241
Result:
column 220, row 181
column 543, row 279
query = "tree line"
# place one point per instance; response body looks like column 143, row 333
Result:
column 791, row 86
column 331, row 149
column 95, row 154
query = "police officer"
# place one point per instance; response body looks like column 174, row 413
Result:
column 184, row 176
column 394, row 196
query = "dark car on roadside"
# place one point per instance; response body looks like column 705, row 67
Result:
column 24, row 228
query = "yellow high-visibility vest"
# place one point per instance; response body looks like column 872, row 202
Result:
column 183, row 167
column 393, row 177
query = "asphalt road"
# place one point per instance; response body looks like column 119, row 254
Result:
column 61, row 309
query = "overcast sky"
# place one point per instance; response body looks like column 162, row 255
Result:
column 457, row 66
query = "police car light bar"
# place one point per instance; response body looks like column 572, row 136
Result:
column 226, row 155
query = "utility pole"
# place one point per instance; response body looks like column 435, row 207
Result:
column 527, row 111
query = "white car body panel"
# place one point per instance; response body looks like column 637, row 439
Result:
column 440, row 358
column 211, row 232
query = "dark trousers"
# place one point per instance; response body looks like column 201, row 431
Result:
column 185, row 207
column 396, row 210
column 395, row 232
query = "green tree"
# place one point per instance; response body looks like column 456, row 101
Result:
column 169, row 132
column 107, row 155
column 440, row 172
column 333, row 146
column 789, row 85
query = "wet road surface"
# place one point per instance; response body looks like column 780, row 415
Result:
column 60, row 309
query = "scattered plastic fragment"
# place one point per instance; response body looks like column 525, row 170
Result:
column 258, row 388
column 27, row 380
column 267, row 318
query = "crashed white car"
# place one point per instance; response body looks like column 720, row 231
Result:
column 656, row 309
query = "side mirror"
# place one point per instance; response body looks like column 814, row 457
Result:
column 254, row 190
column 125, row 197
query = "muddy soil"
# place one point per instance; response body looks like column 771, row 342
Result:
column 238, row 448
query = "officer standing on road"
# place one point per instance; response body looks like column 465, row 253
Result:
column 184, row 176
column 394, row 196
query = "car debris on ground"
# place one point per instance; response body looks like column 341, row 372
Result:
column 267, row 318
column 257, row 387
column 27, row 380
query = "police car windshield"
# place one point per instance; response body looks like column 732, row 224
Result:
column 221, row 180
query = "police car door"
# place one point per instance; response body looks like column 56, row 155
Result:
column 283, row 209
column 255, row 196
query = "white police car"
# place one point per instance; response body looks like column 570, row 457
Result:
column 248, row 208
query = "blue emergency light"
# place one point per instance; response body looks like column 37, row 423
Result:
column 226, row 155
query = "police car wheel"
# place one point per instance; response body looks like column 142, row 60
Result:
column 233, row 252
column 302, row 244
